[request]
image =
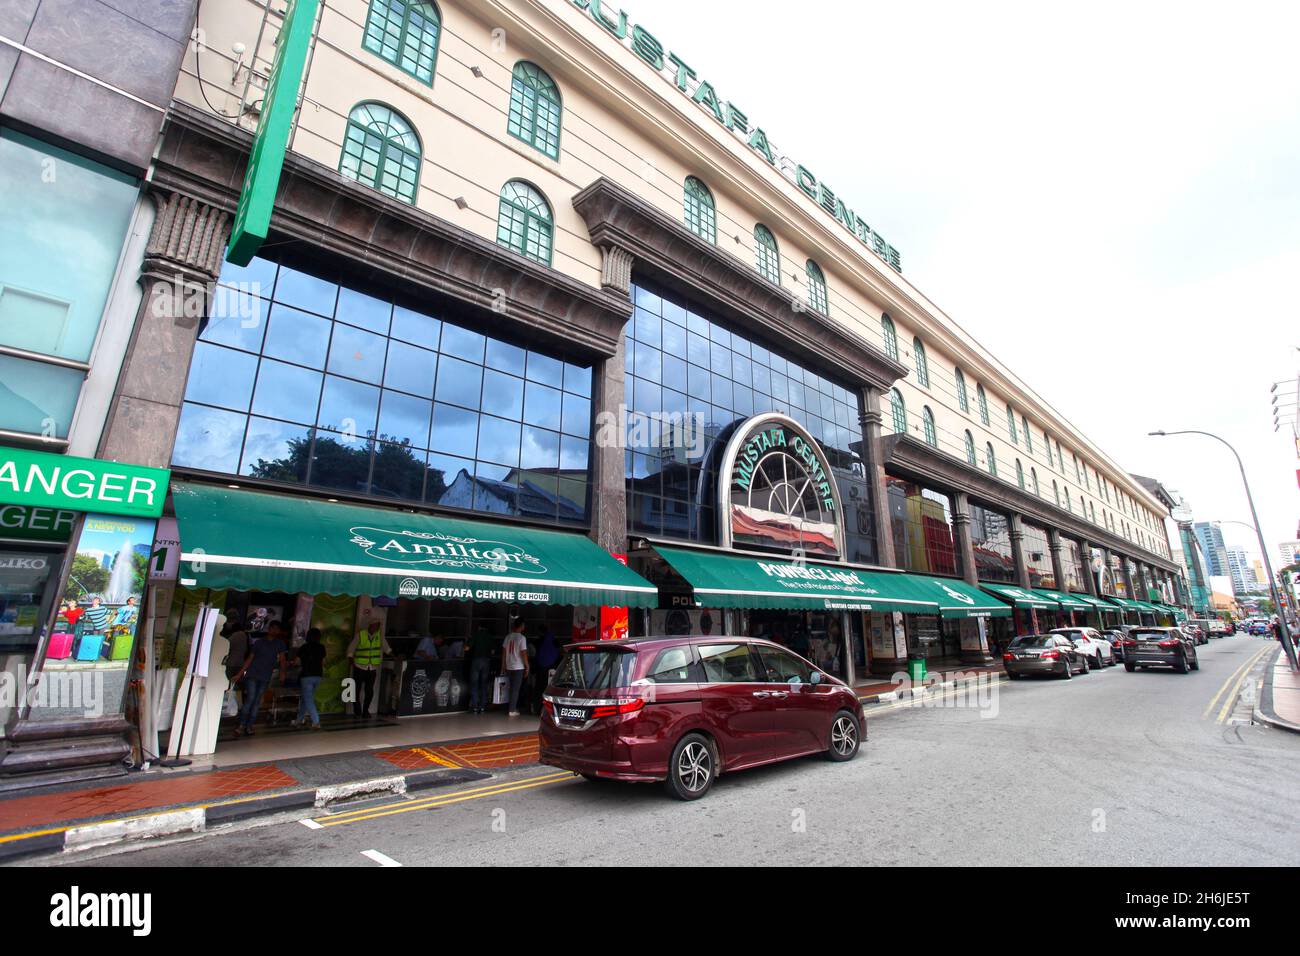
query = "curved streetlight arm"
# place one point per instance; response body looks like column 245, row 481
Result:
column 1259, row 534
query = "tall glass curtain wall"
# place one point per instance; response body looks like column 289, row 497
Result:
column 1038, row 558
column 302, row 379
column 61, row 233
column 682, row 365
column 921, row 519
column 991, row 536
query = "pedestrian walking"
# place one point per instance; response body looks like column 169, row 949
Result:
column 514, row 662
column 237, row 652
column 311, row 658
column 479, row 652
column 264, row 655
column 548, row 655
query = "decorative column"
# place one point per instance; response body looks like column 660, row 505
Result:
column 1055, row 545
column 179, row 271
column 873, row 460
column 1089, row 582
column 1018, row 551
column 1131, row 593
column 609, row 489
column 961, row 531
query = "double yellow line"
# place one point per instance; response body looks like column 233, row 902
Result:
column 443, row 800
column 1234, row 681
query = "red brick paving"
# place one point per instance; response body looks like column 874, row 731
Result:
column 24, row 813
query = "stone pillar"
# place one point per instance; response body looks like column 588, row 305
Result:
column 1055, row 545
column 181, row 262
column 609, row 490
column 873, row 460
column 965, row 543
column 1129, row 583
column 1089, row 582
column 1018, row 551
column 180, row 268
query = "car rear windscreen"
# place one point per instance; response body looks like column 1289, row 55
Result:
column 1032, row 640
column 594, row 668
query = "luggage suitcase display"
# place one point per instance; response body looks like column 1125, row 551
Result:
column 119, row 644
column 60, row 647
column 88, row 647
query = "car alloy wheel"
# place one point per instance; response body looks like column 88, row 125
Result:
column 691, row 772
column 844, row 737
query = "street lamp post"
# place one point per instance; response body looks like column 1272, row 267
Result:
column 1259, row 534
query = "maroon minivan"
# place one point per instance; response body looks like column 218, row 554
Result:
column 686, row 709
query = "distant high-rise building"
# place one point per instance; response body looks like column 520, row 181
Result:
column 1289, row 551
column 1210, row 535
column 1239, row 570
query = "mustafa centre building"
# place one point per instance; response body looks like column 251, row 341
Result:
column 427, row 315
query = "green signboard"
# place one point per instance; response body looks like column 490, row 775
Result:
column 40, row 480
column 27, row 523
column 262, row 178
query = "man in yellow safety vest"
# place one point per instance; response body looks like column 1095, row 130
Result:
column 366, row 654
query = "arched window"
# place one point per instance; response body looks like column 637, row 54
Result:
column 405, row 33
column 1047, row 443
column 922, row 367
column 1029, row 436
column 970, row 448
column 381, row 150
column 1068, row 506
column 767, row 258
column 899, row 411
column 535, row 109
column 890, row 335
column 1033, row 477
column 993, row 459
column 963, row 400
column 1020, row 474
column 1056, row 493
column 983, row 401
column 817, row 288
column 1011, row 426
column 701, row 216
column 524, row 221
column 931, row 436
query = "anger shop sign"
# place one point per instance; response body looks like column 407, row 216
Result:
column 37, row 479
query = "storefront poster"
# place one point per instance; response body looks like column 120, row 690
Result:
column 336, row 616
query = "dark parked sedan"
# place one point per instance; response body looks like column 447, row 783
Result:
column 686, row 709
column 1044, row 654
column 1116, row 639
column 1160, row 647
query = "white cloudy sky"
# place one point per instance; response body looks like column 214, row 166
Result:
column 1107, row 195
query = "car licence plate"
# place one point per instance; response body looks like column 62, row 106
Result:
column 1154, row 648
column 573, row 713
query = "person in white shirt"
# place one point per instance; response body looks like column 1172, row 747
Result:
column 514, row 662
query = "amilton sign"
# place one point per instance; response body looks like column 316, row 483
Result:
column 652, row 51
column 262, row 178
column 42, row 480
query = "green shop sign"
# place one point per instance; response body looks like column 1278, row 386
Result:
column 40, row 480
column 262, row 178
column 652, row 51
column 27, row 523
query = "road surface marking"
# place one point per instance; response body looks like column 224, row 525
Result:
column 310, row 824
column 1234, row 676
column 379, row 858
column 1231, row 700
column 458, row 796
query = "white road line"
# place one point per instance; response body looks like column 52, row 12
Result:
column 311, row 824
column 379, row 858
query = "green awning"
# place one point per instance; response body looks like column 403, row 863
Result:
column 957, row 599
column 1021, row 597
column 250, row 540
column 1130, row 605
column 1096, row 604
column 1068, row 601
column 729, row 580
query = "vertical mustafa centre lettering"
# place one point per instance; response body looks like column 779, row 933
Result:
column 644, row 44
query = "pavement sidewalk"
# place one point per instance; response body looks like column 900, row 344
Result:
column 158, row 802
column 1279, row 704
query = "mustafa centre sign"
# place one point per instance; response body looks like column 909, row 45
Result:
column 646, row 46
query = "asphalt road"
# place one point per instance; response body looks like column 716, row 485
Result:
column 1111, row 769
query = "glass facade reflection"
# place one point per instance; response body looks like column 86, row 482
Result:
column 1038, row 557
column 921, row 520
column 301, row 379
column 991, row 537
column 1072, row 565
column 683, row 366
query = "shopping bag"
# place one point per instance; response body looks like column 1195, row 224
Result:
column 501, row 690
column 230, row 704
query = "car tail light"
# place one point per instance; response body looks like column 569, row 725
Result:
column 1050, row 655
column 1169, row 643
column 548, row 706
column 1008, row 657
column 621, row 706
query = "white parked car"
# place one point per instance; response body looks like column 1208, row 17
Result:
column 1094, row 647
